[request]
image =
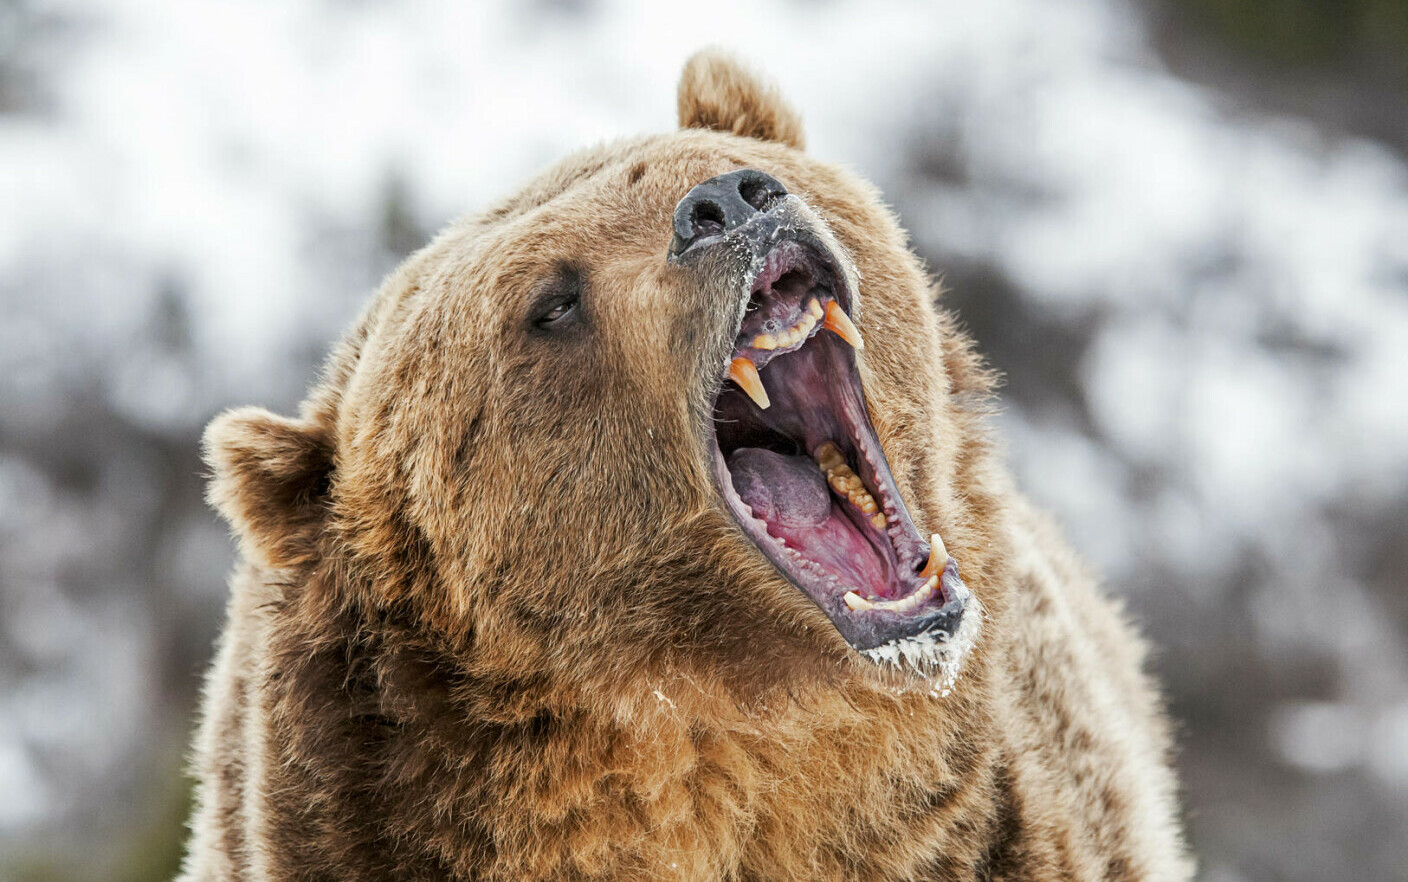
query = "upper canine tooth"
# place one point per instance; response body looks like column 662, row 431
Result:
column 839, row 323
column 743, row 372
column 938, row 557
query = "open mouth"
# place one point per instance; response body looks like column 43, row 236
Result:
column 801, row 469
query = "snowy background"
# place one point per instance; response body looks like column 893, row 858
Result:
column 1180, row 229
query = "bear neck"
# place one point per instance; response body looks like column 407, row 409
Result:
column 384, row 744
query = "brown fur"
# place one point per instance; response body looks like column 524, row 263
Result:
column 493, row 622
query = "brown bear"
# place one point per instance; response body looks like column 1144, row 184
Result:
column 646, row 526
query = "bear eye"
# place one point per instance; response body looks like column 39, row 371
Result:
column 558, row 300
column 558, row 310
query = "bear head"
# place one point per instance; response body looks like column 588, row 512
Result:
column 682, row 407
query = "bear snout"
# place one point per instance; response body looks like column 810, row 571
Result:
column 713, row 209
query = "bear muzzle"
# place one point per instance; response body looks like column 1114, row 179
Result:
column 795, row 457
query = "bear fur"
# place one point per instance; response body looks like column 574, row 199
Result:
column 492, row 621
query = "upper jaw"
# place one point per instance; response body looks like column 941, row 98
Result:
column 815, row 401
column 739, row 254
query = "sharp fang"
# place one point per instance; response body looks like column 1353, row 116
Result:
column 938, row 557
column 743, row 372
column 841, row 325
column 856, row 602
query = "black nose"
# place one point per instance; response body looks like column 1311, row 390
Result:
column 721, row 204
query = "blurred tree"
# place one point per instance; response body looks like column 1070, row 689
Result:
column 1363, row 35
column 1342, row 64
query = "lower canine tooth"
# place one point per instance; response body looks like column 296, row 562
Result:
column 938, row 557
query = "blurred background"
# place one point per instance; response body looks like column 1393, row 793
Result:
column 1179, row 227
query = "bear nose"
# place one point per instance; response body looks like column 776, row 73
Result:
column 722, row 204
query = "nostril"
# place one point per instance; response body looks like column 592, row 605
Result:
column 758, row 194
column 716, row 208
column 707, row 219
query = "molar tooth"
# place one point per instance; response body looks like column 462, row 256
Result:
column 743, row 372
column 938, row 557
column 840, row 324
column 765, row 341
column 814, row 307
column 877, row 521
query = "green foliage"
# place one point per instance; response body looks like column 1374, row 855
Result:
column 145, row 848
column 155, row 853
column 1351, row 34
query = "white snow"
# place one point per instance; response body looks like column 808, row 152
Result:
column 193, row 207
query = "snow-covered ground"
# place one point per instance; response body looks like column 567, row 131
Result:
column 1203, row 314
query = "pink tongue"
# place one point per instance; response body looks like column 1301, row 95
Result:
column 789, row 493
column 786, row 491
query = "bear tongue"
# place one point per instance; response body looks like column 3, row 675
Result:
column 790, row 495
column 784, row 491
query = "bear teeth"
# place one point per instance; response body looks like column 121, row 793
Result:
column 743, row 372
column 795, row 334
column 908, row 603
column 938, row 557
column 847, row 483
column 841, row 325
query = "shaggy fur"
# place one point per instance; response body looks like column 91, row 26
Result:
column 493, row 621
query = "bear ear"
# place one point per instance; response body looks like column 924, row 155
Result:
column 271, row 477
column 716, row 92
